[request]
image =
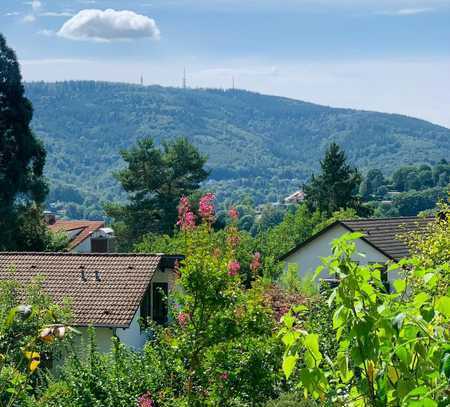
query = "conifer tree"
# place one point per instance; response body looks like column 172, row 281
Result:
column 336, row 186
column 155, row 179
column 22, row 158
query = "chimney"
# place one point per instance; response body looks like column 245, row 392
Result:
column 83, row 273
column 49, row 217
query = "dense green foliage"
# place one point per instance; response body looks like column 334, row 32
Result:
column 31, row 328
column 409, row 191
column 154, row 181
column 22, row 157
column 261, row 145
column 393, row 346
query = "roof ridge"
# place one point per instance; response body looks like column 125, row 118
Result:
column 393, row 218
column 88, row 254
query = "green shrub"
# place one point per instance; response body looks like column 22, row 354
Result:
column 291, row 400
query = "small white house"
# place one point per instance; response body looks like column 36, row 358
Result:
column 111, row 292
column 380, row 243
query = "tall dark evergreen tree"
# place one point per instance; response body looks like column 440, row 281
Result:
column 155, row 179
column 22, row 158
column 336, row 186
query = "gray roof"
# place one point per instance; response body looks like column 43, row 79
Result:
column 110, row 293
column 381, row 233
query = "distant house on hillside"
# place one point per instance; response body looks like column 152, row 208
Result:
column 85, row 236
column 380, row 242
column 111, row 292
column 295, row 198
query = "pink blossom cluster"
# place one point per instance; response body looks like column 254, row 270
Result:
column 183, row 319
column 146, row 400
column 233, row 239
column 256, row 262
column 233, row 268
column 233, row 214
column 206, row 207
column 224, row 376
column 186, row 218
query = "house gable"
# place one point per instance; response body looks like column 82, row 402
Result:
column 308, row 255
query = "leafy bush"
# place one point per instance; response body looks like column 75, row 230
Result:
column 219, row 349
column 32, row 330
column 393, row 347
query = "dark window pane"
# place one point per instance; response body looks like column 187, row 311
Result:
column 160, row 291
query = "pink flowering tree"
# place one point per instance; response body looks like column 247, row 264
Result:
column 222, row 334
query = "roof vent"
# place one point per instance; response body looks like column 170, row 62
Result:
column 97, row 275
column 83, row 273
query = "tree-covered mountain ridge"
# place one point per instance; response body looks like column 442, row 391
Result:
column 258, row 144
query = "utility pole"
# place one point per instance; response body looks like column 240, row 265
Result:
column 142, row 80
column 184, row 78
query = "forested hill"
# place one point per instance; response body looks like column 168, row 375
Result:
column 264, row 145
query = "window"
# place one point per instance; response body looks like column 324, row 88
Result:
column 384, row 275
column 146, row 307
column 160, row 292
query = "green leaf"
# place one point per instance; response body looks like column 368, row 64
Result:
column 399, row 285
column 421, row 299
column 443, row 306
column 10, row 318
column 290, row 338
column 397, row 322
column 423, row 402
column 445, row 365
column 289, row 363
column 311, row 343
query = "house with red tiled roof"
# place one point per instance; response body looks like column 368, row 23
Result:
column 85, row 236
column 112, row 292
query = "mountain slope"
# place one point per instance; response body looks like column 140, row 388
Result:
column 261, row 144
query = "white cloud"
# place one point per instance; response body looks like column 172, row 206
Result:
column 109, row 25
column 12, row 13
column 408, row 11
column 36, row 5
column 56, row 14
column 46, row 33
column 29, row 18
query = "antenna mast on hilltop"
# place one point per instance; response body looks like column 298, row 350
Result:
column 232, row 83
column 184, row 78
column 142, row 80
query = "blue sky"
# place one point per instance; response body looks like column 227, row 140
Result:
column 385, row 55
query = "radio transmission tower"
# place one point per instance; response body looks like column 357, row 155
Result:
column 184, row 78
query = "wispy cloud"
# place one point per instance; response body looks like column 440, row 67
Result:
column 407, row 11
column 29, row 18
column 11, row 14
column 56, row 14
column 109, row 25
column 46, row 33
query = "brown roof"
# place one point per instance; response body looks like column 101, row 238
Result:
column 112, row 301
column 384, row 233
column 381, row 233
column 87, row 227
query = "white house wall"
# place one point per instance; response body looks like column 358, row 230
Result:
column 131, row 336
column 308, row 257
column 83, row 247
column 103, row 338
